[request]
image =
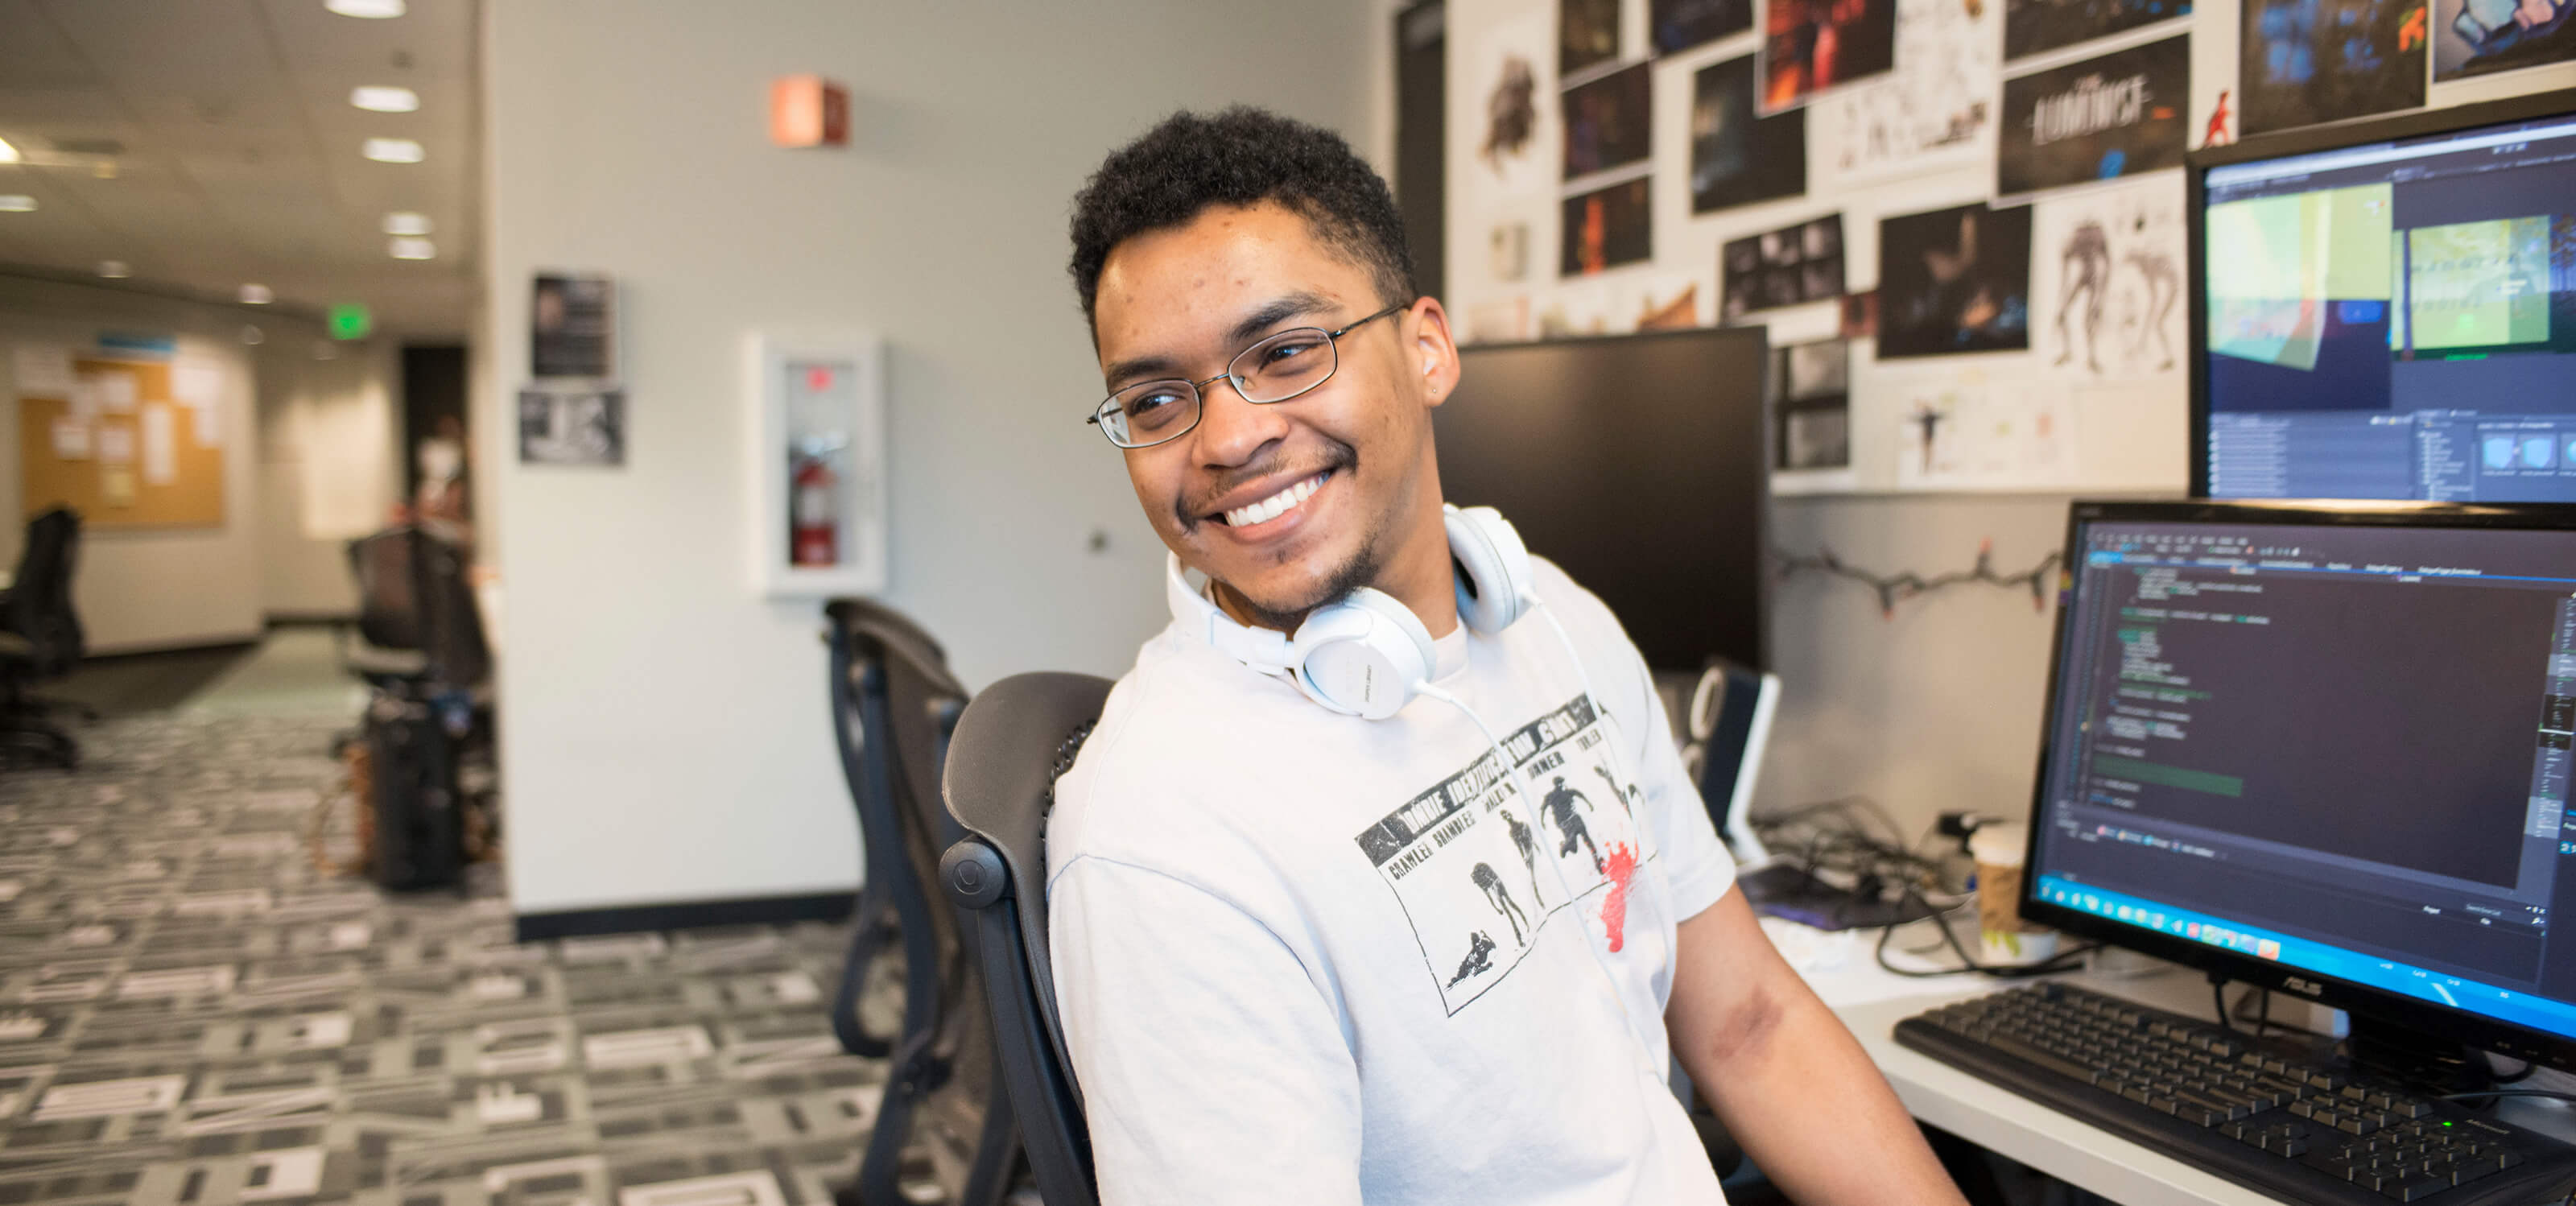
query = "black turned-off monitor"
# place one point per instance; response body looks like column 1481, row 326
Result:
column 2323, row 748
column 2387, row 309
column 1636, row 463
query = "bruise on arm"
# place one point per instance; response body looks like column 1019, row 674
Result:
column 1747, row 1027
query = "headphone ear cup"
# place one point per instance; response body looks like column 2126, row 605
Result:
column 1363, row 655
column 1495, row 582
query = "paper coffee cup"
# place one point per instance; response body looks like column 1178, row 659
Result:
column 2005, row 937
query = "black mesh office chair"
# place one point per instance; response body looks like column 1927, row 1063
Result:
column 894, row 705
column 40, row 638
column 416, row 615
column 1012, row 743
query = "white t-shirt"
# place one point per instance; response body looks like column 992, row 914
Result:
column 1305, row 957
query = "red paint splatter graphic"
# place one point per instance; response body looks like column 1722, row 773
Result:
column 1621, row 867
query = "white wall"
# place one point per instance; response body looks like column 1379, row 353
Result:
column 145, row 588
column 665, row 731
column 1935, row 707
column 330, row 461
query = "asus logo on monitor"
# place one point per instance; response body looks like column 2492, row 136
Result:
column 2303, row 987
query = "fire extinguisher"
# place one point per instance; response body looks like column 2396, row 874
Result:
column 813, row 533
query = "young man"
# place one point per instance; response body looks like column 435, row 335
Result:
column 1308, row 957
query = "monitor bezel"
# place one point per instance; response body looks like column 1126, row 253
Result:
column 2362, row 1000
column 2308, row 140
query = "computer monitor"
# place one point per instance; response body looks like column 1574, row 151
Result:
column 1638, row 465
column 2323, row 748
column 2387, row 309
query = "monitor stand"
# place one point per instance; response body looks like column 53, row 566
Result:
column 2416, row 1058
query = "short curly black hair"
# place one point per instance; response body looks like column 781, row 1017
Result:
column 1242, row 156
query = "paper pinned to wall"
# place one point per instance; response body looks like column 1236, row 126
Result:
column 1510, row 74
column 116, row 484
column 1965, row 432
column 1935, row 112
column 117, row 394
column 71, row 438
column 1503, row 321
column 2107, row 281
column 42, row 371
column 198, row 384
column 160, row 445
column 88, row 396
column 115, row 444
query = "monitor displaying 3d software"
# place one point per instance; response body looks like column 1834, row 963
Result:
column 2391, row 314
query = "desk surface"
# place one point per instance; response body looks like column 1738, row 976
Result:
column 1871, row 1000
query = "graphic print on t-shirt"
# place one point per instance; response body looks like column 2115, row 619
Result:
column 1480, row 868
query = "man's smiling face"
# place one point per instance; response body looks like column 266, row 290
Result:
column 1291, row 504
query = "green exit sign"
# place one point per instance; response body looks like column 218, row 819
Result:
column 351, row 320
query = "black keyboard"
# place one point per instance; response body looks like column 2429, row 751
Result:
column 2294, row 1128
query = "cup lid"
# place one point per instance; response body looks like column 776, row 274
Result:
column 1999, row 844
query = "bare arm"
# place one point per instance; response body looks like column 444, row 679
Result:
column 1784, row 1075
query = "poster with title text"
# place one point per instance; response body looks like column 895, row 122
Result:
column 2118, row 115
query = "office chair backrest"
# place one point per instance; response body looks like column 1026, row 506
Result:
column 413, row 595
column 860, row 636
column 458, row 654
column 40, row 595
column 1014, row 740
column 389, row 611
column 895, row 703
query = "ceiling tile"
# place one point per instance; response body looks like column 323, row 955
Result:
column 34, row 55
column 243, row 160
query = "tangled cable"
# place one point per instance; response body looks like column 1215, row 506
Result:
column 1835, row 836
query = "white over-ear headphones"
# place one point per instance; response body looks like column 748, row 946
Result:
column 1368, row 655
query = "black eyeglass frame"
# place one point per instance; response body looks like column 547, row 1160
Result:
column 1198, row 394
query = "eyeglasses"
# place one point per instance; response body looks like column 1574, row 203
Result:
column 1274, row 370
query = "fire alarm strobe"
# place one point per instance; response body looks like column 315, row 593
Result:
column 809, row 111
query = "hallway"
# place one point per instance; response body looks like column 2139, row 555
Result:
column 192, row 1013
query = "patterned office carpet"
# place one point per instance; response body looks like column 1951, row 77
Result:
column 191, row 1014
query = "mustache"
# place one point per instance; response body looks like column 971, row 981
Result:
column 1201, row 503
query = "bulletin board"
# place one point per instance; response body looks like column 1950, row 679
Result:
column 1964, row 228
column 122, row 450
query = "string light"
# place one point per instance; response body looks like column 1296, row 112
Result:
column 1893, row 589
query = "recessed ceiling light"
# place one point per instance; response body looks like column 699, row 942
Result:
column 405, row 222
column 365, row 8
column 379, row 98
column 115, row 270
column 414, row 249
column 393, row 150
column 256, row 295
column 17, row 203
column 8, row 154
